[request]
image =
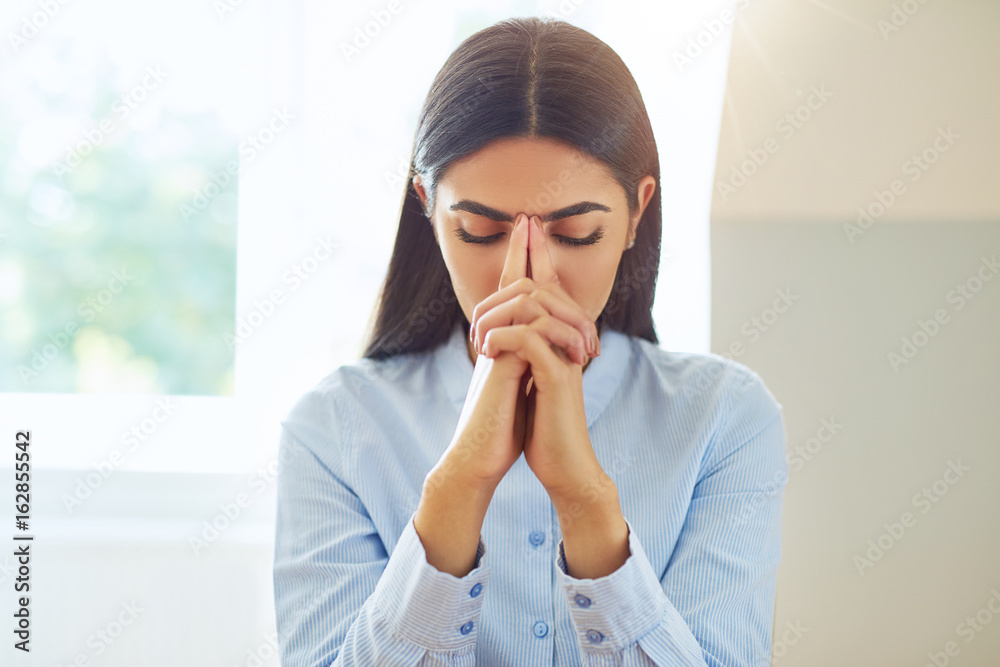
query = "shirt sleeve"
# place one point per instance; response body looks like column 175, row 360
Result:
column 340, row 599
column 714, row 604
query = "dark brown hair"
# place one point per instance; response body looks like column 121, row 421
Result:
column 521, row 77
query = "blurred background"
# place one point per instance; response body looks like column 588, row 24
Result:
column 197, row 206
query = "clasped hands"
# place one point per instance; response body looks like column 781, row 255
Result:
column 536, row 320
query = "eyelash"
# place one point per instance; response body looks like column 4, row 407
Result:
column 565, row 240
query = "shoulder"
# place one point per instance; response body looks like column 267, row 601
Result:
column 705, row 378
column 324, row 413
column 727, row 400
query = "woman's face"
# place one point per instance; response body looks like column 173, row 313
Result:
column 480, row 196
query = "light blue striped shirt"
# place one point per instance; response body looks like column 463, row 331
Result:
column 694, row 443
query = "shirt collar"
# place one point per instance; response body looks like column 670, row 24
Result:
column 601, row 378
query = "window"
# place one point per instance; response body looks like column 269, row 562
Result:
column 246, row 288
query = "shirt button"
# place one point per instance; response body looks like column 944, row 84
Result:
column 536, row 538
column 594, row 637
column 466, row 629
column 582, row 600
column 541, row 629
column 475, row 590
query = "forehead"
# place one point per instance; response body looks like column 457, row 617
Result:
column 512, row 169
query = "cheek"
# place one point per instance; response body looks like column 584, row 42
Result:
column 588, row 281
column 475, row 274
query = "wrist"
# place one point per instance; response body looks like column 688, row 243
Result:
column 588, row 489
column 450, row 484
column 449, row 521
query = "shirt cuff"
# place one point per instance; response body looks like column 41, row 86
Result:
column 431, row 608
column 615, row 610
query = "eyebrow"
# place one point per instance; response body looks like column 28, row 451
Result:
column 476, row 208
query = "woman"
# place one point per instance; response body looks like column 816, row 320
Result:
column 545, row 485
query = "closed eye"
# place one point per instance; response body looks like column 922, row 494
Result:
column 565, row 240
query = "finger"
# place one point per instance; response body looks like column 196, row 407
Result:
column 516, row 264
column 546, row 362
column 539, row 259
column 523, row 309
column 556, row 335
column 519, row 309
column 554, row 299
column 522, row 285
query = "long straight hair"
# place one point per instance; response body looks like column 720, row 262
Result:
column 521, row 77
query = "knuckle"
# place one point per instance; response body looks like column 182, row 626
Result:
column 540, row 322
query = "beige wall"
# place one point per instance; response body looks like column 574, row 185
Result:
column 887, row 97
column 850, row 299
